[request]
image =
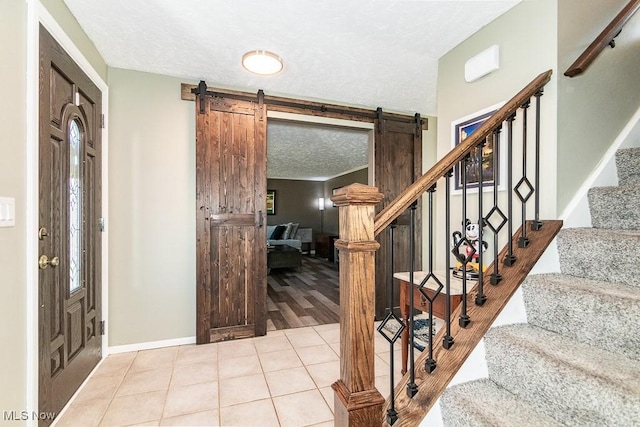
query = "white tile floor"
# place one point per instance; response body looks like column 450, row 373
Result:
column 283, row 379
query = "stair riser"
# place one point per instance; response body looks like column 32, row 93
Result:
column 628, row 165
column 599, row 256
column 613, row 207
column 567, row 394
column 597, row 318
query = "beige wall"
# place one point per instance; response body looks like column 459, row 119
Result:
column 595, row 106
column 13, row 33
column 152, row 269
column 66, row 20
column 527, row 37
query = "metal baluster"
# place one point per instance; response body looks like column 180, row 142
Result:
column 430, row 363
column 447, row 340
column 464, row 319
column 510, row 258
column 392, row 414
column 481, row 298
column 523, row 241
column 495, row 213
column 412, row 388
column 537, row 224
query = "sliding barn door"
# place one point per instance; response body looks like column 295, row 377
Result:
column 231, row 239
column 398, row 163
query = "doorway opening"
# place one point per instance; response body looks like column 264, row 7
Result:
column 308, row 158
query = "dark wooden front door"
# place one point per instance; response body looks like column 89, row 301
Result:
column 398, row 163
column 231, row 184
column 70, row 314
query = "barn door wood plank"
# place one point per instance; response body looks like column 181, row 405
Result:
column 232, row 179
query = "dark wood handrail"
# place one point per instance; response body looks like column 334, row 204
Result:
column 426, row 181
column 603, row 40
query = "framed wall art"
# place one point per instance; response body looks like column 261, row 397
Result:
column 492, row 164
column 271, row 202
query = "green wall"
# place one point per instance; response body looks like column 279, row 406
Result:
column 152, row 242
column 526, row 36
column 13, row 33
column 68, row 22
column 595, row 106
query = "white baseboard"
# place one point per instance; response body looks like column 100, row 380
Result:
column 151, row 345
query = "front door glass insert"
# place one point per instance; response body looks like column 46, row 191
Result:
column 75, row 205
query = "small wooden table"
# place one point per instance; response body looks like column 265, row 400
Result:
column 420, row 303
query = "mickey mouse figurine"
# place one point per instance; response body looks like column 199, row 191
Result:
column 471, row 251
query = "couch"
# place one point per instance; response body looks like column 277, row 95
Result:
column 284, row 234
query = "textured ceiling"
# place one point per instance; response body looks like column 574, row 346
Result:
column 318, row 152
column 369, row 53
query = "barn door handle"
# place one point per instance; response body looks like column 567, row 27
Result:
column 45, row 262
column 261, row 219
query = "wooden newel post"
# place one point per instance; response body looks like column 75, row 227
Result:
column 357, row 401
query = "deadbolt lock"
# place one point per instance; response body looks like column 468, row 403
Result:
column 45, row 262
column 42, row 233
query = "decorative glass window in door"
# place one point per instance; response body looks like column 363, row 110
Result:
column 75, row 207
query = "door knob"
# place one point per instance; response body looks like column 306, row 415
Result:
column 45, row 262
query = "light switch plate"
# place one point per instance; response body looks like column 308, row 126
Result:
column 7, row 212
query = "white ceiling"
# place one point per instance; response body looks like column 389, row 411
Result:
column 369, row 53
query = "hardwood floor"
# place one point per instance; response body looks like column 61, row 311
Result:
column 305, row 296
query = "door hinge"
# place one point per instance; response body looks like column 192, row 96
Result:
column 102, row 327
column 101, row 224
column 102, row 121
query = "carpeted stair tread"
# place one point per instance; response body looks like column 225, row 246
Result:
column 628, row 165
column 599, row 313
column 575, row 383
column 600, row 254
column 613, row 207
column 482, row 403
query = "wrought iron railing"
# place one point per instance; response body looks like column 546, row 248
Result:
column 469, row 250
column 468, row 247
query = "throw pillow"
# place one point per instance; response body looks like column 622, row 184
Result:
column 278, row 232
column 294, row 230
column 287, row 231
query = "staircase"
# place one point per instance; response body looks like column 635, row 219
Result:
column 577, row 361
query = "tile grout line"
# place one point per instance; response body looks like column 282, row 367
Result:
column 166, row 397
column 115, row 393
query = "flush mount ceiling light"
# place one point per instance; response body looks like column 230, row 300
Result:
column 262, row 62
